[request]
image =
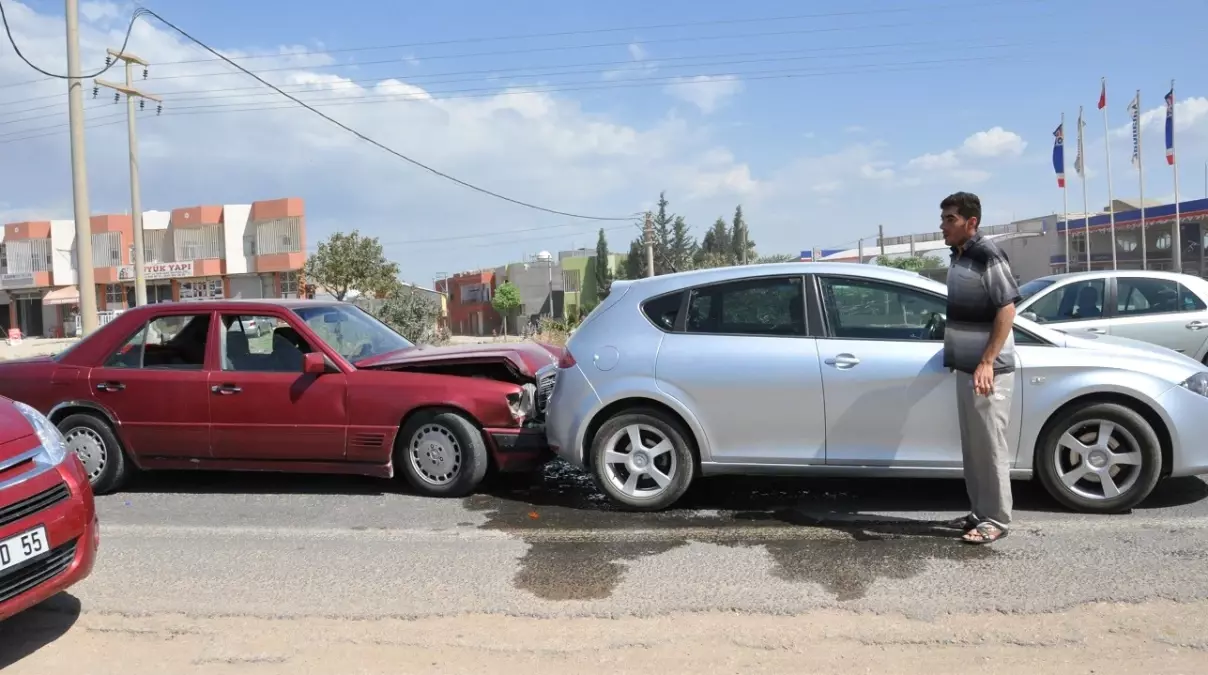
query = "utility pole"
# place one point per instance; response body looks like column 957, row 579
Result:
column 881, row 239
column 648, row 232
column 136, row 206
column 85, row 279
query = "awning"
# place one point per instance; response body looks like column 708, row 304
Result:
column 68, row 295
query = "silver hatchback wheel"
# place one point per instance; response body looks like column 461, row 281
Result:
column 638, row 461
column 1098, row 459
column 90, row 448
column 435, row 454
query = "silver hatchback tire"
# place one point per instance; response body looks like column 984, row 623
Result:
column 642, row 459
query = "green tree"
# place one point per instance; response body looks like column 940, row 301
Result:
column 603, row 270
column 911, row 263
column 635, row 262
column 739, row 233
column 347, row 262
column 777, row 258
column 414, row 314
column 663, row 233
column 506, row 302
column 681, row 248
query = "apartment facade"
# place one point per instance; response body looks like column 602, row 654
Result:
column 579, row 277
column 190, row 254
column 468, row 301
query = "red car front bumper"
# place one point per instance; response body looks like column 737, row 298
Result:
column 60, row 500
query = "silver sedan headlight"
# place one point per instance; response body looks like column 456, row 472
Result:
column 1197, row 383
column 49, row 436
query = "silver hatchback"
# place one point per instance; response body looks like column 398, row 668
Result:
column 836, row 369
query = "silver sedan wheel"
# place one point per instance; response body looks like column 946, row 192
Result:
column 638, row 461
column 435, row 454
column 1098, row 459
column 90, row 448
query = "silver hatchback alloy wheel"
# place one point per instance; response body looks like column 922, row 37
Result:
column 1098, row 459
column 435, row 454
column 88, row 445
column 639, row 461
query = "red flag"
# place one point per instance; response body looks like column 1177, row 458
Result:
column 1103, row 96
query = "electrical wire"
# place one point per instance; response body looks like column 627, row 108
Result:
column 8, row 31
column 376, row 143
column 597, row 31
column 497, row 73
column 593, row 85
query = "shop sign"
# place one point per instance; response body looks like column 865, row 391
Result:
column 152, row 271
column 16, row 280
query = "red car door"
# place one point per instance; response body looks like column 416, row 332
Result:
column 156, row 385
column 262, row 406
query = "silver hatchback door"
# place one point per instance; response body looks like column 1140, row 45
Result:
column 742, row 362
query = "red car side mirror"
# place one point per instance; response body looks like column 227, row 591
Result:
column 314, row 364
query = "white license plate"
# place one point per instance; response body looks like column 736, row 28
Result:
column 22, row 547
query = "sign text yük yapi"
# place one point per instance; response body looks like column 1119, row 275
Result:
column 168, row 270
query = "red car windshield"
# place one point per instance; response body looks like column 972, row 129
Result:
column 352, row 332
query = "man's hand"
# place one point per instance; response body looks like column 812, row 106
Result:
column 983, row 379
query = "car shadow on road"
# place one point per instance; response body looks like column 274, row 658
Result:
column 257, row 482
column 37, row 627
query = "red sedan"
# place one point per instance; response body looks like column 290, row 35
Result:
column 48, row 527
column 287, row 385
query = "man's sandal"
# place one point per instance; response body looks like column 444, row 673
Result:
column 964, row 523
column 984, row 533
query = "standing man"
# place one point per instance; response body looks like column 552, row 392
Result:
column 979, row 344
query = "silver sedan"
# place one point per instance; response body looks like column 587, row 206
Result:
column 836, row 369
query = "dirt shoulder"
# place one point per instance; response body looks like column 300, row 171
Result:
column 1151, row 639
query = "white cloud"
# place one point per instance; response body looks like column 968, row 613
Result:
column 97, row 12
column 854, row 129
column 935, row 162
column 996, row 142
column 636, row 51
column 706, row 92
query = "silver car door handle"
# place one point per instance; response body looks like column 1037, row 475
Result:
column 1097, row 331
column 1197, row 325
column 843, row 361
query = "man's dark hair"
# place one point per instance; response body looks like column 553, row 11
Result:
column 966, row 204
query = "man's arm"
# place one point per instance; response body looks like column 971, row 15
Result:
column 1003, row 291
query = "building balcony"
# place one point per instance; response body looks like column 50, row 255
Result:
column 275, row 237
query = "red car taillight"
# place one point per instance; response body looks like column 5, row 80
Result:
column 566, row 360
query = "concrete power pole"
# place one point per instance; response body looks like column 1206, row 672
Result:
column 648, row 232
column 136, row 206
column 85, row 279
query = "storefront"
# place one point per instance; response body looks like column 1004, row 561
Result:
column 25, row 302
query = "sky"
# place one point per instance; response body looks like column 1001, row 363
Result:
column 823, row 120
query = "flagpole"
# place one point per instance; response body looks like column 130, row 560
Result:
column 1177, row 235
column 1107, row 147
column 1065, row 198
column 1086, row 212
column 1141, row 183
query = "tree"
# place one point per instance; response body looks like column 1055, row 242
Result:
column 506, row 302
column 681, row 248
column 603, row 270
column 777, row 258
column 662, row 235
column 414, row 314
column 911, row 263
column 740, row 233
column 635, row 262
column 347, row 262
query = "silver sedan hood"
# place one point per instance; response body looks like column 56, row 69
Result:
column 1135, row 348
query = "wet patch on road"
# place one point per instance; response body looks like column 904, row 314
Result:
column 726, row 512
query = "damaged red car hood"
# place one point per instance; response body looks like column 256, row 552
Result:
column 528, row 357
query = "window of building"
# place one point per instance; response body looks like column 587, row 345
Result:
column 198, row 243
column 289, row 284
column 107, row 249
column 169, row 342
column 570, row 281
column 277, row 235
column 115, row 294
column 201, row 289
column 763, row 306
column 869, row 310
column 249, row 244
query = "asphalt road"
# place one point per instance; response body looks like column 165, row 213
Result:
column 256, row 547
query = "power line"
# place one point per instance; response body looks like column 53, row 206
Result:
column 819, row 52
column 617, row 29
column 593, row 85
column 108, row 62
column 375, row 143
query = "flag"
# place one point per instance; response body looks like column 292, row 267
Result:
column 1170, row 127
column 1103, row 95
column 1134, row 113
column 1059, row 154
column 1079, row 166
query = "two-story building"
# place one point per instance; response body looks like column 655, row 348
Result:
column 469, row 303
column 196, row 253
